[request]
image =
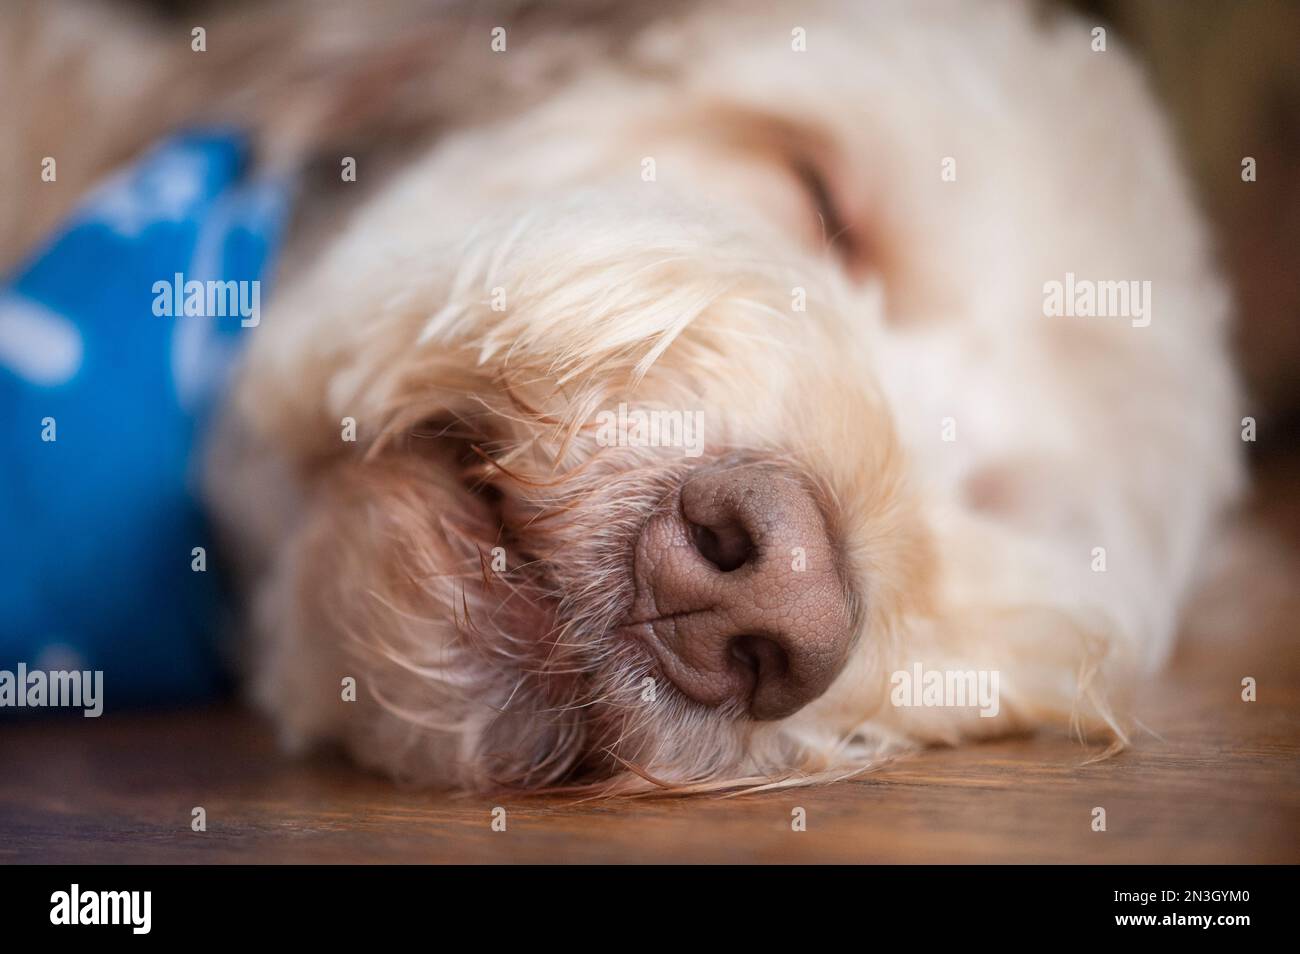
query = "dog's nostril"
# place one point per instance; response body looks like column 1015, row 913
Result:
column 764, row 665
column 762, row 657
column 743, row 653
column 727, row 547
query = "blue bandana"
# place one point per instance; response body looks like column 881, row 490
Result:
column 115, row 342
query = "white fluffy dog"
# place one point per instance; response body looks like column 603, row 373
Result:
column 736, row 376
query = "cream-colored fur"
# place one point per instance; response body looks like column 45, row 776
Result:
column 976, row 452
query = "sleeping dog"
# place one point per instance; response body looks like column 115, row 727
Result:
column 694, row 398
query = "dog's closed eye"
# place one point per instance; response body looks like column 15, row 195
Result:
column 837, row 231
column 806, row 157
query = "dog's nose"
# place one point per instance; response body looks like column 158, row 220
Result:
column 740, row 597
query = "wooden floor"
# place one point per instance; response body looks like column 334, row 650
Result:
column 1221, row 783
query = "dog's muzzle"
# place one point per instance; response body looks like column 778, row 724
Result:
column 740, row 597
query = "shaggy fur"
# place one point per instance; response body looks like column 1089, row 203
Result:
column 778, row 174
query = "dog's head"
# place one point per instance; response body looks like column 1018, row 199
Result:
column 593, row 480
